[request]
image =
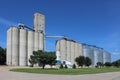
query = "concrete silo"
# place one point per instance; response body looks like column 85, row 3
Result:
column 36, row 41
column 9, row 47
column 30, row 43
column 57, row 45
column 68, row 50
column 23, row 47
column 15, row 46
column 58, row 55
column 41, row 41
column 76, row 50
column 72, row 52
column 63, row 50
column 80, row 49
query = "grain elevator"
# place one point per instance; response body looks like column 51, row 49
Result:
column 67, row 50
column 21, row 42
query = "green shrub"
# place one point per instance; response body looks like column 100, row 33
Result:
column 74, row 66
column 61, row 66
column 66, row 67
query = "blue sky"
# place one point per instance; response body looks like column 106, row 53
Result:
column 86, row 21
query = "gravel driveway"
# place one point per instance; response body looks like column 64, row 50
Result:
column 7, row 75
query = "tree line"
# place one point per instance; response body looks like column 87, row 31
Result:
column 86, row 61
column 2, row 56
column 42, row 58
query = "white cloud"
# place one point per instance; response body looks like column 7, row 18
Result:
column 7, row 22
column 116, row 53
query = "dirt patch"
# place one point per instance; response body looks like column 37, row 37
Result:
column 11, row 67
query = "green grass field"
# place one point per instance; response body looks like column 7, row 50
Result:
column 67, row 71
